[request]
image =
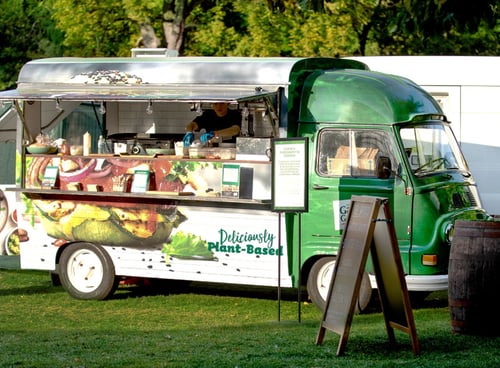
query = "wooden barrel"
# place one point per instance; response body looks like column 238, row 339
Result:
column 474, row 278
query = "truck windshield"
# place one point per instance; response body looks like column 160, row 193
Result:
column 432, row 148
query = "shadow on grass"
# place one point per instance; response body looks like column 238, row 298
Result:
column 39, row 285
column 172, row 287
column 169, row 287
column 30, row 290
column 45, row 283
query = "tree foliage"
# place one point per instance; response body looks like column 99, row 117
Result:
column 40, row 28
column 27, row 33
column 95, row 27
column 437, row 27
column 215, row 31
column 283, row 29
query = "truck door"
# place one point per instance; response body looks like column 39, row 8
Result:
column 344, row 164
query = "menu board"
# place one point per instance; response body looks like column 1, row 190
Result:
column 391, row 283
column 50, row 177
column 140, row 183
column 369, row 228
column 349, row 268
column 290, row 179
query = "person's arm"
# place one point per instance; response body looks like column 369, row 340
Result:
column 227, row 132
column 192, row 126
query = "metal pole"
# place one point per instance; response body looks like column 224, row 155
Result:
column 279, row 267
column 299, row 255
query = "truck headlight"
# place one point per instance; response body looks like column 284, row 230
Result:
column 448, row 233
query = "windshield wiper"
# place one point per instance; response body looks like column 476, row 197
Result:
column 431, row 165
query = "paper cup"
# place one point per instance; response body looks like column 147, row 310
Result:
column 180, row 150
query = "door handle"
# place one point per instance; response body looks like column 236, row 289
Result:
column 319, row 187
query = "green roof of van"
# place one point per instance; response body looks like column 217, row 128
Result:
column 358, row 96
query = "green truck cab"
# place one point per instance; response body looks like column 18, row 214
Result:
column 381, row 135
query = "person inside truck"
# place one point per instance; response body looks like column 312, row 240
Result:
column 220, row 124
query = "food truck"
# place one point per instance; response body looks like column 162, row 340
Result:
column 129, row 200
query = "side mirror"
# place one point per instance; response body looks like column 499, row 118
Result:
column 384, row 167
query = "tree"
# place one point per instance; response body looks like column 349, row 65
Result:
column 436, row 27
column 113, row 27
column 27, row 33
column 419, row 26
column 40, row 28
column 216, row 31
column 147, row 16
column 96, row 27
column 363, row 17
column 258, row 28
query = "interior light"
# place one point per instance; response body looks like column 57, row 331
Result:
column 102, row 109
column 149, row 108
column 199, row 110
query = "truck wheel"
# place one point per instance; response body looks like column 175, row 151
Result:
column 318, row 284
column 86, row 272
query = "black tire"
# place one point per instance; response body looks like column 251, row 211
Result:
column 318, row 283
column 417, row 298
column 87, row 272
column 54, row 279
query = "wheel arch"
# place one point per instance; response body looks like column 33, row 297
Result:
column 61, row 249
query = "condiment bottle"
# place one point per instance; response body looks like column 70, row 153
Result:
column 65, row 148
column 101, row 145
column 87, row 143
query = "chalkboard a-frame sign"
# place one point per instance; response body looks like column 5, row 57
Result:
column 369, row 227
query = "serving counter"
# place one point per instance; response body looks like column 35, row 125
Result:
column 147, row 179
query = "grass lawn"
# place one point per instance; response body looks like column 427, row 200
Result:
column 208, row 326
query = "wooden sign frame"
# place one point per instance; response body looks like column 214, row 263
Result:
column 349, row 268
column 369, row 227
column 391, row 283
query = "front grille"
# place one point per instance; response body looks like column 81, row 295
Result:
column 471, row 197
column 457, row 200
